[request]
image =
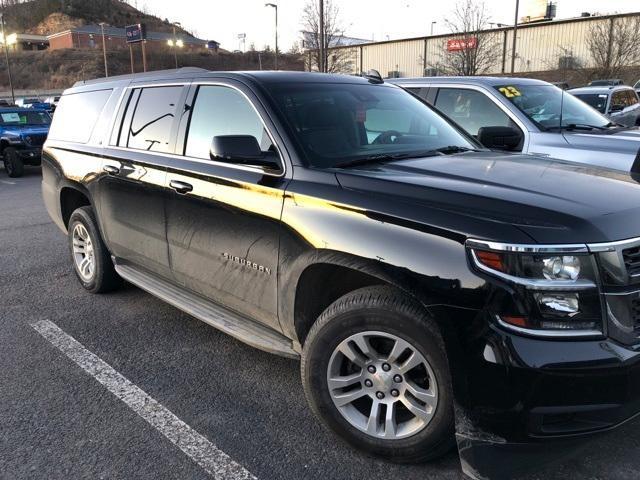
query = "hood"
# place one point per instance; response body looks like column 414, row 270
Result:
column 550, row 201
column 619, row 148
column 16, row 131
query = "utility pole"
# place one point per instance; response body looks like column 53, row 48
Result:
column 144, row 55
column 104, row 50
column 276, row 53
column 515, row 39
column 6, row 56
column 321, row 65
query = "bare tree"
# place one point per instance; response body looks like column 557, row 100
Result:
column 613, row 45
column 469, row 51
column 336, row 60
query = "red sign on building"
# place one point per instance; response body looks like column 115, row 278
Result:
column 458, row 44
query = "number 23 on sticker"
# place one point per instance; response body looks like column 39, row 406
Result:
column 510, row 92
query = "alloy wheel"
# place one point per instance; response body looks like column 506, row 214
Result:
column 382, row 385
column 83, row 253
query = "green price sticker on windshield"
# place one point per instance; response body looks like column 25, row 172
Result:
column 510, row 92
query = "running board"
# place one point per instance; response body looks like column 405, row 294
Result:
column 231, row 323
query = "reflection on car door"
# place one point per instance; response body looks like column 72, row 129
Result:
column 223, row 220
column 131, row 187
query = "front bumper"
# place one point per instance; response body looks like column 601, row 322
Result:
column 30, row 155
column 529, row 401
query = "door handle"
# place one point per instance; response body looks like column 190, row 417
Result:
column 111, row 170
column 181, row 187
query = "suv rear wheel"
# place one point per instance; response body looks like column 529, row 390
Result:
column 375, row 371
column 13, row 163
column 91, row 260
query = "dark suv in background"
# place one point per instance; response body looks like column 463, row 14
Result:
column 434, row 290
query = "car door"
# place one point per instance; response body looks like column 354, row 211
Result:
column 223, row 219
column 131, row 188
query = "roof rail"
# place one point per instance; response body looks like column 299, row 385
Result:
column 155, row 73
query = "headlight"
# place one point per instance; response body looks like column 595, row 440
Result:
column 549, row 290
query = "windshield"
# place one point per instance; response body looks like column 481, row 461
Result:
column 24, row 118
column 549, row 107
column 336, row 123
column 595, row 100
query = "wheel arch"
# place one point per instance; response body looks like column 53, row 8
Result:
column 338, row 274
column 73, row 196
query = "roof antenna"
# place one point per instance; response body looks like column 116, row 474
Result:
column 373, row 76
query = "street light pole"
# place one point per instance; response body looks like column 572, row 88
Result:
column 175, row 43
column 515, row 38
column 321, row 40
column 432, row 24
column 104, row 50
column 276, row 9
column 6, row 56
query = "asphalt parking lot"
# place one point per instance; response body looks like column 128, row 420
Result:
column 58, row 421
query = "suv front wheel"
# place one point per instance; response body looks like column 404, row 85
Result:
column 13, row 164
column 375, row 371
column 91, row 260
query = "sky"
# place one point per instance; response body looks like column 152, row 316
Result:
column 224, row 20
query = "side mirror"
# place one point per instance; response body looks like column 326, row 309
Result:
column 500, row 138
column 616, row 108
column 241, row 150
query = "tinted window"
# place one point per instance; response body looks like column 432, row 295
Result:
column 153, row 118
column 422, row 92
column 77, row 114
column 596, row 100
column 222, row 111
column 342, row 122
column 8, row 118
column 619, row 98
column 632, row 97
column 471, row 110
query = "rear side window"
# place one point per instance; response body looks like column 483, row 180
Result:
column 154, row 112
column 77, row 114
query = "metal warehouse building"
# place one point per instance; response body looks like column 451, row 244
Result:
column 541, row 46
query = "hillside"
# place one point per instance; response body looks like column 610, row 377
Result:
column 50, row 16
column 59, row 69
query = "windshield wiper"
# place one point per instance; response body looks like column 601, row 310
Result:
column 578, row 126
column 383, row 157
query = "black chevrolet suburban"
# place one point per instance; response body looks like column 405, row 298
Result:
column 435, row 291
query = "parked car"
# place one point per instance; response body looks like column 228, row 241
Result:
column 562, row 85
column 52, row 100
column 22, row 134
column 611, row 82
column 620, row 104
column 345, row 222
column 529, row 116
column 26, row 101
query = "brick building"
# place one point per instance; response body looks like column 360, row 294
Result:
column 90, row 36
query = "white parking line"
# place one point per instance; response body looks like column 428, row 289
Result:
column 7, row 182
column 198, row 448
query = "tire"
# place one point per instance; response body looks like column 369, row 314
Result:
column 13, row 164
column 101, row 276
column 385, row 311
